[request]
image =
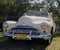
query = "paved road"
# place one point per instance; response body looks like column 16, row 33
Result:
column 23, row 45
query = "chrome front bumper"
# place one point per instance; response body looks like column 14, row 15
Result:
column 29, row 37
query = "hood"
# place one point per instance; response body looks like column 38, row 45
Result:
column 38, row 18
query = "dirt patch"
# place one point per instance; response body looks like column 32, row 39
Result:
column 55, row 45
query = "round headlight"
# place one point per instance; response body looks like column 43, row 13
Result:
column 44, row 25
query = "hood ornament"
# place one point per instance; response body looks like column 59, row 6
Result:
column 24, row 24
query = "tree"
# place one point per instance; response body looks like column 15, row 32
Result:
column 6, row 7
column 14, row 8
column 35, row 7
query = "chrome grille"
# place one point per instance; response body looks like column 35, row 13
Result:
column 23, row 31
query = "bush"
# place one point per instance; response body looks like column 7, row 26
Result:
column 57, row 33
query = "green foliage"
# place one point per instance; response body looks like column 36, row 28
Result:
column 6, row 7
column 36, row 7
column 14, row 8
column 57, row 20
column 17, row 8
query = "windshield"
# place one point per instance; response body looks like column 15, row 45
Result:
column 40, row 14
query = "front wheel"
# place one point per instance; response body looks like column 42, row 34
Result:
column 49, row 40
column 51, row 37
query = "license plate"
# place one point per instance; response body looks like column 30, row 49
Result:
column 21, row 36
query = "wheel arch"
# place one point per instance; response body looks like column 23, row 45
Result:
column 52, row 30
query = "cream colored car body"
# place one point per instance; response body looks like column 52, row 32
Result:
column 44, row 25
column 37, row 21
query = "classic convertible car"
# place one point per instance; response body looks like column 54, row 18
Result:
column 32, row 25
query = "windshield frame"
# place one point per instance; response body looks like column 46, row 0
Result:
column 37, row 13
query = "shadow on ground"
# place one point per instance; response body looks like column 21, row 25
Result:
column 23, row 45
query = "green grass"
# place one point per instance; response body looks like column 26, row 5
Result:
column 2, row 38
column 1, row 35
